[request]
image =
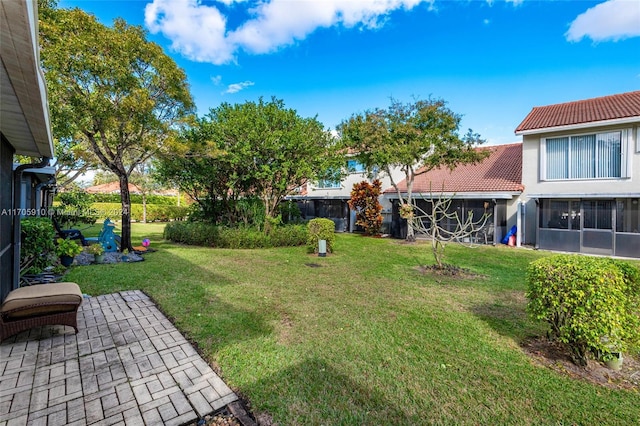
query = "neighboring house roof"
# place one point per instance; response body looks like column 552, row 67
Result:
column 620, row 108
column 501, row 171
column 112, row 188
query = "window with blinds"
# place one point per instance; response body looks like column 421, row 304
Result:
column 592, row 156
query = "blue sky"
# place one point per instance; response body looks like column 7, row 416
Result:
column 492, row 61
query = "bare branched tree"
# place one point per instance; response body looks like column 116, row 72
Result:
column 443, row 224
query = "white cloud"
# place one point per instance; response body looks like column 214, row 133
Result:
column 200, row 32
column 486, row 21
column 217, row 79
column 236, row 87
column 612, row 20
column 195, row 30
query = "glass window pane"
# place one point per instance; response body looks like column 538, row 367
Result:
column 354, row 166
column 325, row 183
column 557, row 158
column 609, row 154
column 583, row 157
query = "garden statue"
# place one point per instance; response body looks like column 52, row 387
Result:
column 107, row 237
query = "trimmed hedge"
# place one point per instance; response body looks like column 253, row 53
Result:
column 155, row 212
column 37, row 235
column 165, row 200
column 205, row 234
column 320, row 229
column 591, row 304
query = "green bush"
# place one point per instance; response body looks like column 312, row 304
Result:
column 167, row 200
column 290, row 212
column 320, row 229
column 205, row 234
column 193, row 233
column 289, row 235
column 37, row 241
column 155, row 212
column 74, row 208
column 590, row 303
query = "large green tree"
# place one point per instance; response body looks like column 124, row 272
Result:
column 414, row 137
column 111, row 92
column 260, row 149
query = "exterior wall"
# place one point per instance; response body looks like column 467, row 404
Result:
column 345, row 223
column 531, row 167
column 579, row 189
column 344, row 191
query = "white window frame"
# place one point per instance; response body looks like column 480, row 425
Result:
column 626, row 136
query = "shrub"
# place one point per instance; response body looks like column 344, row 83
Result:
column 364, row 201
column 166, row 200
column 67, row 248
column 206, row 234
column 290, row 212
column 37, row 241
column 320, row 229
column 74, row 208
column 193, row 233
column 590, row 303
column 288, row 236
column 155, row 212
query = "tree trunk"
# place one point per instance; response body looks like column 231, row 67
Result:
column 125, row 199
column 411, row 235
column 144, row 207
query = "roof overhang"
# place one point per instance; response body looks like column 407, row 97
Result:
column 579, row 126
column 461, row 195
column 43, row 174
column 607, row 196
column 24, row 111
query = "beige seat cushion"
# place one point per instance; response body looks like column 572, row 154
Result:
column 42, row 299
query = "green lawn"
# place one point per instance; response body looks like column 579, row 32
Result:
column 365, row 338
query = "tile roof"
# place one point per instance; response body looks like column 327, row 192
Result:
column 623, row 105
column 112, row 188
column 500, row 171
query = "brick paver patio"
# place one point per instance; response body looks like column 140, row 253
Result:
column 128, row 365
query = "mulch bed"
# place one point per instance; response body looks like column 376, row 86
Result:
column 555, row 356
column 448, row 270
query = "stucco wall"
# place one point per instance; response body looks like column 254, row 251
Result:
column 600, row 187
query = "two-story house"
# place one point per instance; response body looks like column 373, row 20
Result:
column 581, row 173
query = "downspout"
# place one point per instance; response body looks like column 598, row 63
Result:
column 17, row 195
column 519, row 224
column 537, row 243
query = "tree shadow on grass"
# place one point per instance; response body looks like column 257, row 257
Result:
column 184, row 291
column 507, row 315
column 312, row 392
